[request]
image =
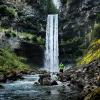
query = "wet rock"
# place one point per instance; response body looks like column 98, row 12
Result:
column 68, row 78
column 24, row 72
column 1, row 87
column 48, row 92
column 61, row 77
column 19, row 76
column 54, row 83
column 2, row 78
column 45, row 79
column 36, row 83
column 13, row 76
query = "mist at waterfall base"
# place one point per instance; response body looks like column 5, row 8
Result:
column 51, row 60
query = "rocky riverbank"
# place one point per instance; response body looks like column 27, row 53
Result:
column 86, row 79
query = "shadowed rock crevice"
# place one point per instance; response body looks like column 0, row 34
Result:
column 33, row 53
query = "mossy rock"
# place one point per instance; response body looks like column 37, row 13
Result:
column 94, row 95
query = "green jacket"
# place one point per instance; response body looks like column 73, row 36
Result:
column 61, row 66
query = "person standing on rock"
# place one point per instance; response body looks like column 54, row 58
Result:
column 61, row 67
column 61, row 74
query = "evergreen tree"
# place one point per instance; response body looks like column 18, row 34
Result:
column 51, row 9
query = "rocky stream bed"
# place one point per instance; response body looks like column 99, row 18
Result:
column 74, row 84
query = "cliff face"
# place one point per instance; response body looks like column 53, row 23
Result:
column 20, row 23
column 20, row 14
column 77, row 19
column 79, row 15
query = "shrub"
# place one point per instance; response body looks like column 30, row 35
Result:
column 51, row 7
column 8, row 11
column 9, row 61
column 40, row 40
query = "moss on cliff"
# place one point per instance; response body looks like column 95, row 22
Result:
column 92, row 53
column 9, row 61
column 27, row 36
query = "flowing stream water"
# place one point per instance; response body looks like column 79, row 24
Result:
column 26, row 90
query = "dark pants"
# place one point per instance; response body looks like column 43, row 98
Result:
column 61, row 70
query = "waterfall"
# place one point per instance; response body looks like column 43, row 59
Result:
column 51, row 53
column 57, row 3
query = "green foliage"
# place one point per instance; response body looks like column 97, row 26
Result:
column 29, row 37
column 93, row 52
column 73, row 41
column 51, row 9
column 8, row 11
column 47, row 7
column 98, row 18
column 9, row 61
column 40, row 40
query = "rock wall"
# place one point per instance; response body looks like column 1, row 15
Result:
column 78, row 16
column 76, row 19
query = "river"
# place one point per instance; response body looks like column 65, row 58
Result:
column 26, row 90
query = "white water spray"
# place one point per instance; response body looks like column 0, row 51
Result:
column 57, row 3
column 51, row 53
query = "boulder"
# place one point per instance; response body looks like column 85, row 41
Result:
column 13, row 76
column 54, row 83
column 2, row 78
column 1, row 87
column 45, row 79
column 48, row 92
column 61, row 77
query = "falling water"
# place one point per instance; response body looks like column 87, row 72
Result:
column 57, row 3
column 51, row 52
